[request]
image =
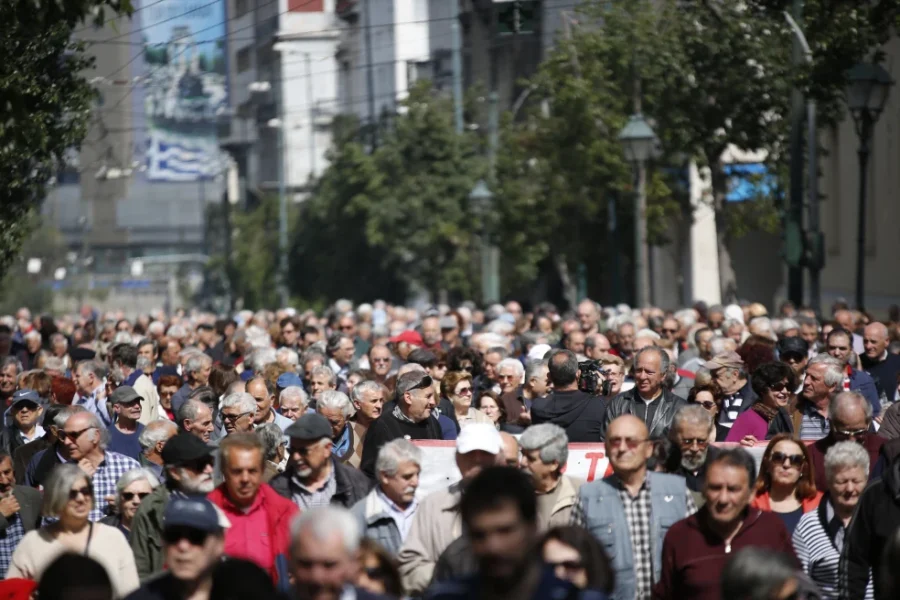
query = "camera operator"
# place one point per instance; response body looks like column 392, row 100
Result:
column 579, row 413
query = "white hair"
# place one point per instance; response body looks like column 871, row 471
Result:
column 176, row 331
column 687, row 317
column 288, row 356
column 550, row 439
column 647, row 334
column 396, row 452
column 839, row 400
column 323, row 522
column 334, row 400
column 834, row 369
column 845, row 455
column 514, row 364
column 693, row 414
column 33, row 334
column 54, row 363
column 494, row 340
column 720, row 345
column 295, row 391
column 262, row 357
column 196, row 361
column 243, row 401
column 136, row 474
column 500, row 327
column 154, row 433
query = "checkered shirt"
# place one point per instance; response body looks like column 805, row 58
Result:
column 114, row 465
column 9, row 539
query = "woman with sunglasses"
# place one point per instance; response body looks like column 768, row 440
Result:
column 69, row 497
column 774, row 383
column 786, row 482
column 378, row 571
column 710, row 397
column 576, row 556
column 456, row 386
column 131, row 488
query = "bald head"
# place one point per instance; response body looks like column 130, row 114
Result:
column 627, row 426
column 628, row 446
column 875, row 341
column 510, row 454
column 596, row 344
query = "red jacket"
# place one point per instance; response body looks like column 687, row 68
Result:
column 872, row 443
column 763, row 502
column 278, row 510
column 693, row 557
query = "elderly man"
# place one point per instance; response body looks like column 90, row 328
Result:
column 824, row 376
column 411, row 417
column 26, row 421
column 625, row 333
column 729, row 372
column 322, row 378
column 20, row 510
column 545, row 449
column 341, row 350
column 837, row 344
column 313, row 476
column 89, row 383
column 10, row 368
column 596, row 345
column 196, row 418
column 580, row 414
column 648, row 399
column 510, row 374
column 883, row 366
column 238, row 413
column 690, row 433
column 725, row 524
column 588, row 315
column 259, row 517
column 293, row 402
column 197, row 368
column 436, row 523
column 385, row 515
column 124, row 361
column 152, row 440
column 575, row 342
column 124, row 433
column 368, row 400
column 188, row 467
column 336, row 407
column 265, row 398
column 630, row 510
column 85, row 439
column 381, row 362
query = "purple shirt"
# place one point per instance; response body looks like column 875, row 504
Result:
column 749, row 422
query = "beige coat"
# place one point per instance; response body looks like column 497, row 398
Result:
column 560, row 513
column 150, row 406
column 437, row 523
column 474, row 416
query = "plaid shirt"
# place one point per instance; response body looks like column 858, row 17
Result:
column 9, row 539
column 114, row 465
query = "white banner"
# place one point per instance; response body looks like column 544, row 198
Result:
column 586, row 461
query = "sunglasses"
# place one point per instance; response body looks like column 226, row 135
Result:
column 235, row 418
column 778, row 458
column 632, row 443
column 72, row 436
column 852, row 433
column 129, row 496
column 707, row 404
column 669, row 330
column 701, row 442
column 425, row 383
column 376, row 573
column 346, row 327
column 87, row 491
column 778, row 387
column 195, row 537
column 468, row 369
column 569, row 565
column 199, row 465
column 464, row 391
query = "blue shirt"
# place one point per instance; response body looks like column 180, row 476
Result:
column 125, row 443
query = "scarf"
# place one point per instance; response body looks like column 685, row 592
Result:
column 766, row 412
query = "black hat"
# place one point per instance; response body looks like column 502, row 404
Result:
column 183, row 448
column 25, row 395
column 793, row 345
column 124, row 394
column 311, row 426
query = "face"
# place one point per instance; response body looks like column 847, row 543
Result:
column 431, row 331
column 491, row 360
column 191, row 553
column 509, row 379
column 237, row 421
column 371, row 403
column 79, row 436
column 202, row 426
column 814, row 386
column 669, row 329
column 371, row 577
column 875, row 341
column 846, row 485
column 420, row 403
column 7, row 476
column 707, row 401
column 778, row 395
column 715, row 320
column 735, row 332
column 319, row 383
column 703, row 342
column 131, row 496
column 850, row 423
column 201, row 376
column 81, row 500
column 693, row 439
column 243, row 469
column 587, row 316
column 728, row 379
column 165, row 396
column 575, row 342
column 626, row 338
column 308, row 457
column 566, row 563
column 264, row 399
column 401, row 486
column 627, row 445
column 289, row 334
column 26, row 414
column 501, row 540
column 85, row 382
column 347, row 326
column 839, row 347
column 648, row 374
column 196, row 477
column 539, row 383
column 462, row 394
column 336, row 419
column 616, row 375
column 321, row 567
column 727, row 492
column 531, row 461
column 344, row 354
column 471, row 463
column 129, row 410
column 291, row 407
column 809, row 333
column 380, row 361
column 786, row 463
column 8, row 379
column 490, row 408
column 170, row 354
column 797, row 362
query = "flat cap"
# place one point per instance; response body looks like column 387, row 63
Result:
column 311, row 426
column 725, row 360
column 183, row 448
column 124, row 394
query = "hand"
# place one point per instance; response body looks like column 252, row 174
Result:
column 87, row 466
column 9, row 506
column 110, row 500
column 525, row 417
column 749, row 441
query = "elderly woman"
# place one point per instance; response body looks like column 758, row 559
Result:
column 274, row 448
column 131, row 488
column 456, row 386
column 773, row 382
column 69, row 496
column 819, row 536
column 786, row 482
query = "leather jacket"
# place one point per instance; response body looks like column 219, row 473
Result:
column 625, row 403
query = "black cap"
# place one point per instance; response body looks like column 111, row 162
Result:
column 25, row 395
column 793, row 345
column 124, row 394
column 183, row 448
column 311, row 426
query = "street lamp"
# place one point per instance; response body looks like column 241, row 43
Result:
column 481, row 197
column 868, row 86
column 640, row 143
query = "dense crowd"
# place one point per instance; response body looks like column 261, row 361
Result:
column 279, row 454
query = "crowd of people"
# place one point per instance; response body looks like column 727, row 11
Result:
column 279, row 454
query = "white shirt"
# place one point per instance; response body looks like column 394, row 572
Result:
column 402, row 518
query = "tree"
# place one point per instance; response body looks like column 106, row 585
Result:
column 20, row 288
column 46, row 103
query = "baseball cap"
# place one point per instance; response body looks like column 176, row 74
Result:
column 288, row 379
column 538, row 351
column 195, row 512
column 479, row 436
column 25, row 395
column 311, row 426
column 183, row 448
column 793, row 345
column 124, row 394
column 728, row 360
column 246, row 375
column 409, row 336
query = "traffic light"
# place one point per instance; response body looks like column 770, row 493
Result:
column 516, row 17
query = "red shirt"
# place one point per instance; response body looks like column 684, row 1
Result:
column 248, row 536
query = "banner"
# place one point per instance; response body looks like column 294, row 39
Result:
column 181, row 86
column 586, row 462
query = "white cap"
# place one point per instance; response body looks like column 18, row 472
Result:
column 734, row 312
column 479, row 436
column 538, row 351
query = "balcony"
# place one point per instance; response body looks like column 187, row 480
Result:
column 348, row 10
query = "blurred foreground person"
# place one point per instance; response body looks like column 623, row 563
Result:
column 378, row 571
column 74, row 577
column 577, row 556
column 758, row 574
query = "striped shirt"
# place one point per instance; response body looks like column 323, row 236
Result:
column 813, row 426
column 818, row 555
column 731, row 409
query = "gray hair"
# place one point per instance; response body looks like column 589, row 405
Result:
column 154, row 433
column 64, row 414
column 94, row 423
column 325, row 370
column 295, row 391
column 189, row 410
column 271, row 436
column 533, row 367
column 243, row 401
column 334, row 400
column 687, row 317
column 11, row 360
column 196, row 362
column 129, row 477
column 501, row 350
column 176, row 331
column 93, row 366
column 34, row 334
column 395, row 453
column 720, row 344
column 845, row 455
column 839, row 400
column 58, row 486
column 693, row 414
column 262, row 357
column 362, row 387
column 834, row 369
column 287, row 355
column 648, row 334
column 58, row 337
column 550, row 439
column 663, row 357
column 729, row 323
column 143, row 363
column 514, row 364
column 325, row 521
column 54, row 363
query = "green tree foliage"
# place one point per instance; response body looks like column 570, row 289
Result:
column 255, row 254
column 46, row 102
column 20, row 288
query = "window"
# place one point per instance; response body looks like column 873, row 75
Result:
column 241, row 7
column 243, row 59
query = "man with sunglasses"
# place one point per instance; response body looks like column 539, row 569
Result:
column 193, row 543
column 631, row 510
column 410, row 417
column 125, row 431
column 188, row 472
column 381, row 363
column 26, row 412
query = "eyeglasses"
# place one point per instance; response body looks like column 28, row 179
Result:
column 778, row 458
column 195, row 537
column 235, row 418
column 376, row 573
column 848, row 434
column 792, row 358
column 570, row 566
column 130, row 403
column 707, row 404
column 129, row 496
column 701, row 442
column 304, row 452
column 631, row 442
column 346, row 327
column 72, row 436
column 669, row 330
column 425, row 383
column 778, row 387
column 199, row 465
column 467, row 369
column 87, row 491
column 466, row 391
column 381, row 360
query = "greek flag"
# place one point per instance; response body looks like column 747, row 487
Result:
column 176, row 157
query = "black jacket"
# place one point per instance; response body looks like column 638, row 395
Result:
column 386, row 428
column 580, row 414
column 351, row 485
column 876, row 519
column 29, row 510
column 626, row 403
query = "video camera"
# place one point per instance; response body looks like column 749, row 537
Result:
column 594, row 380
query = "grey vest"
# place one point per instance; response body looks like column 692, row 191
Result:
column 605, row 517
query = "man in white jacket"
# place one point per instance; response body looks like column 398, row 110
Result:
column 125, row 372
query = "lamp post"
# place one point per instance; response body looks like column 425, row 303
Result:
column 481, row 197
column 639, row 143
column 868, row 86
